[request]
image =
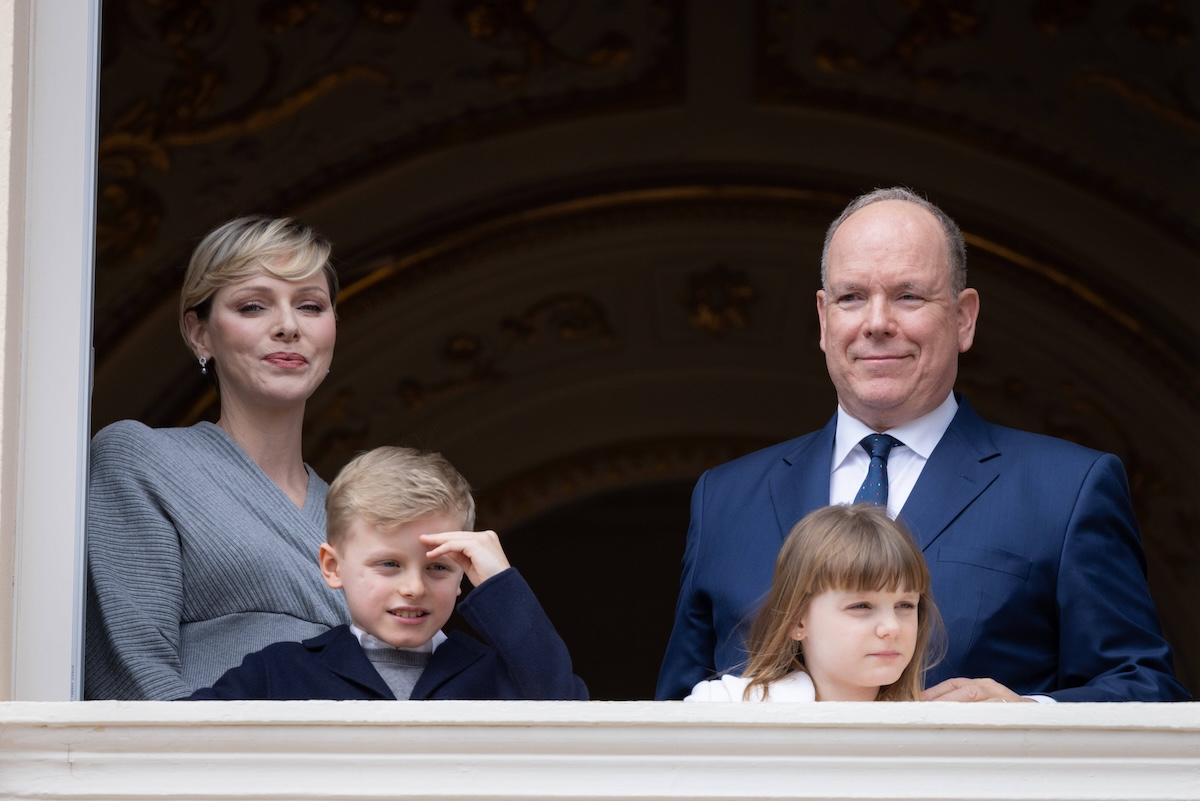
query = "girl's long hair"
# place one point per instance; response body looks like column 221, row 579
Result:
column 844, row 548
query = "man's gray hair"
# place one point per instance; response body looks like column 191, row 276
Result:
column 956, row 248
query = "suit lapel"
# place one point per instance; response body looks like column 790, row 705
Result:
column 344, row 657
column 801, row 482
column 449, row 660
column 960, row 468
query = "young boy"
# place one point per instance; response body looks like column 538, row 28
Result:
column 398, row 544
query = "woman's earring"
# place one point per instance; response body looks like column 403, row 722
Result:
column 203, row 365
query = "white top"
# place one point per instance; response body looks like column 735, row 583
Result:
column 795, row 687
column 904, row 464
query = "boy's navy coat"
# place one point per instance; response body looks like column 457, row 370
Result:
column 525, row 659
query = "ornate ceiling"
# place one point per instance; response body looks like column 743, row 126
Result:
column 579, row 240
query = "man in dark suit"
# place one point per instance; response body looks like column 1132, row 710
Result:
column 1036, row 560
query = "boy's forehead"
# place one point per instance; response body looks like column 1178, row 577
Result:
column 434, row 523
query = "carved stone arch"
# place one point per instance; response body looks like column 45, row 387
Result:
column 580, row 242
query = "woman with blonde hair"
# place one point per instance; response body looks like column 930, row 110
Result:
column 849, row 616
column 201, row 541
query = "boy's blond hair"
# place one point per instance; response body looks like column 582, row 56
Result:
column 390, row 486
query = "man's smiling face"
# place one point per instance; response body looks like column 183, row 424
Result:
column 891, row 328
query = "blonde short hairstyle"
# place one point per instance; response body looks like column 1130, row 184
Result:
column 246, row 246
column 843, row 548
column 390, row 486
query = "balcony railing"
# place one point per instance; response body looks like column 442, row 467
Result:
column 597, row 750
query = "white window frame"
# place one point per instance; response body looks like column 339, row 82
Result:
column 60, row 130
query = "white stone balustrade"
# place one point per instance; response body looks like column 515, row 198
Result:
column 597, row 750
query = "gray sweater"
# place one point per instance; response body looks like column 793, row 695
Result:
column 195, row 559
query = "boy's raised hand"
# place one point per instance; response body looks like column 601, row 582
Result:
column 477, row 552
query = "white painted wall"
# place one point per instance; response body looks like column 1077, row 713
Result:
column 48, row 128
column 12, row 72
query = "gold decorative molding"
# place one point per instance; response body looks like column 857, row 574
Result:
column 594, row 472
column 645, row 205
column 335, row 431
column 475, row 366
column 931, row 65
column 392, row 15
column 929, row 22
column 1176, row 364
column 145, row 134
column 718, row 299
column 280, row 16
column 214, row 96
column 566, row 317
column 1162, row 22
column 1186, row 118
column 513, row 22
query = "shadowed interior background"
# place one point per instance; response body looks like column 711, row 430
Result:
column 579, row 242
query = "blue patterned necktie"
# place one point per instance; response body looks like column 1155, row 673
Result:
column 874, row 488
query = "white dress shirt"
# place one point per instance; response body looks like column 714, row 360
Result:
column 371, row 641
column 904, row 463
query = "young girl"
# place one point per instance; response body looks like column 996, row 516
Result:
column 849, row 616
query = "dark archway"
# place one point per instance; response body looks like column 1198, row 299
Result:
column 581, row 239
column 606, row 569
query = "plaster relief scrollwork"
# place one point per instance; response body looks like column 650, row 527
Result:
column 1163, row 24
column 1089, row 73
column 279, row 16
column 1183, row 113
column 391, row 15
column 1054, row 16
column 1161, row 21
column 509, row 22
column 337, row 430
column 567, row 318
column 590, row 473
column 718, row 299
column 204, row 100
column 467, row 355
column 931, row 22
column 214, row 109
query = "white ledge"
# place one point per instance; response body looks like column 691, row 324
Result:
column 644, row 750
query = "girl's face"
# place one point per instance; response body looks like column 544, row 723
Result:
column 855, row 642
column 272, row 339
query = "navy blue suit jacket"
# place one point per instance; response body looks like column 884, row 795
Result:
column 524, row 660
column 1036, row 561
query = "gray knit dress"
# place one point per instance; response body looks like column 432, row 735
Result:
column 195, row 559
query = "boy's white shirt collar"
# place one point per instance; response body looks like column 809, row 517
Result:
column 371, row 641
